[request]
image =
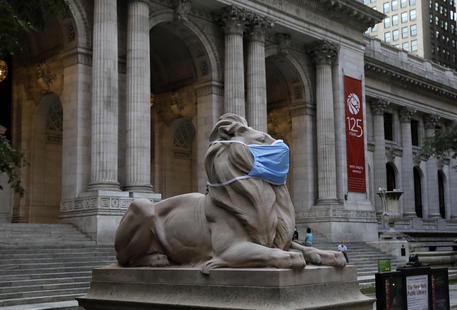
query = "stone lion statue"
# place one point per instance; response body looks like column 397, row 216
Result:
column 243, row 220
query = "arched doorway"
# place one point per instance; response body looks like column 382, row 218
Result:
column 178, row 65
column 46, row 161
column 418, row 191
column 290, row 118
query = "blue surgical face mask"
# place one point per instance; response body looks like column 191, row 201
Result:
column 271, row 162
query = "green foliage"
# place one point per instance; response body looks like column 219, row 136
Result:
column 442, row 143
column 19, row 16
column 11, row 161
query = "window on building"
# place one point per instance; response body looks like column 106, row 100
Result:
column 387, row 22
column 404, row 32
column 413, row 30
column 415, row 132
column 442, row 201
column 395, row 35
column 412, row 2
column 394, row 20
column 405, row 46
column 388, row 126
column 394, row 5
column 404, row 17
column 417, row 191
column 366, row 1
column 403, row 3
column 386, row 7
column 387, row 36
column 437, row 20
column 437, row 6
column 412, row 14
column 390, row 174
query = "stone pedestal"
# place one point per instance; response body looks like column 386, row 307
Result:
column 97, row 213
column 315, row 287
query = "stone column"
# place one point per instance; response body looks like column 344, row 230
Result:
column 104, row 138
column 324, row 54
column 407, row 175
column 379, row 157
column 256, row 76
column 233, row 20
column 431, row 165
column 138, row 129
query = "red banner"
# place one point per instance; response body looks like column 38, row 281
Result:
column 355, row 149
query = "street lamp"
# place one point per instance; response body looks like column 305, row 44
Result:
column 3, row 70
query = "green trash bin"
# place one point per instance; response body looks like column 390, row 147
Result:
column 384, row 265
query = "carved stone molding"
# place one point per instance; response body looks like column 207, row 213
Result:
column 378, row 105
column 324, row 52
column 430, row 121
column 374, row 68
column 233, row 19
column 284, row 43
column 406, row 114
column 182, row 9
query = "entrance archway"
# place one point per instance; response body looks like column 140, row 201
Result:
column 46, row 161
column 179, row 64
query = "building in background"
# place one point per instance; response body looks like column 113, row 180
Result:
column 426, row 28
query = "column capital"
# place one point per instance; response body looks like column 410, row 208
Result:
column 430, row 121
column 258, row 26
column 378, row 105
column 406, row 114
column 233, row 19
column 324, row 52
column 284, row 42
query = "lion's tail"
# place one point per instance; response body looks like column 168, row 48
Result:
column 135, row 242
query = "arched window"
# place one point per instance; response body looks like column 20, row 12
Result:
column 417, row 191
column 390, row 173
column 442, row 201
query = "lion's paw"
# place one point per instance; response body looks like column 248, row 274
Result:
column 211, row 264
column 297, row 261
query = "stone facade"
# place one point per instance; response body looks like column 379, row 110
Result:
column 141, row 83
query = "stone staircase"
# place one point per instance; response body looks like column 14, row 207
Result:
column 365, row 258
column 43, row 265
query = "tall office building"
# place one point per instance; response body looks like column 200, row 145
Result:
column 426, row 28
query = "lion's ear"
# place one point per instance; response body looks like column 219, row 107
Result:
column 224, row 130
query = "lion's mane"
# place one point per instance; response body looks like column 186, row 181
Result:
column 265, row 210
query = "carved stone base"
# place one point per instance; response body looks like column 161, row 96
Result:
column 97, row 213
column 315, row 287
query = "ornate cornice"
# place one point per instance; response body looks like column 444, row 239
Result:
column 324, row 52
column 378, row 105
column 373, row 67
column 355, row 11
column 406, row 114
column 352, row 13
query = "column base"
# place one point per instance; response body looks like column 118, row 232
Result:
column 147, row 188
column 410, row 214
column 97, row 213
column 434, row 216
column 114, row 186
column 327, row 202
